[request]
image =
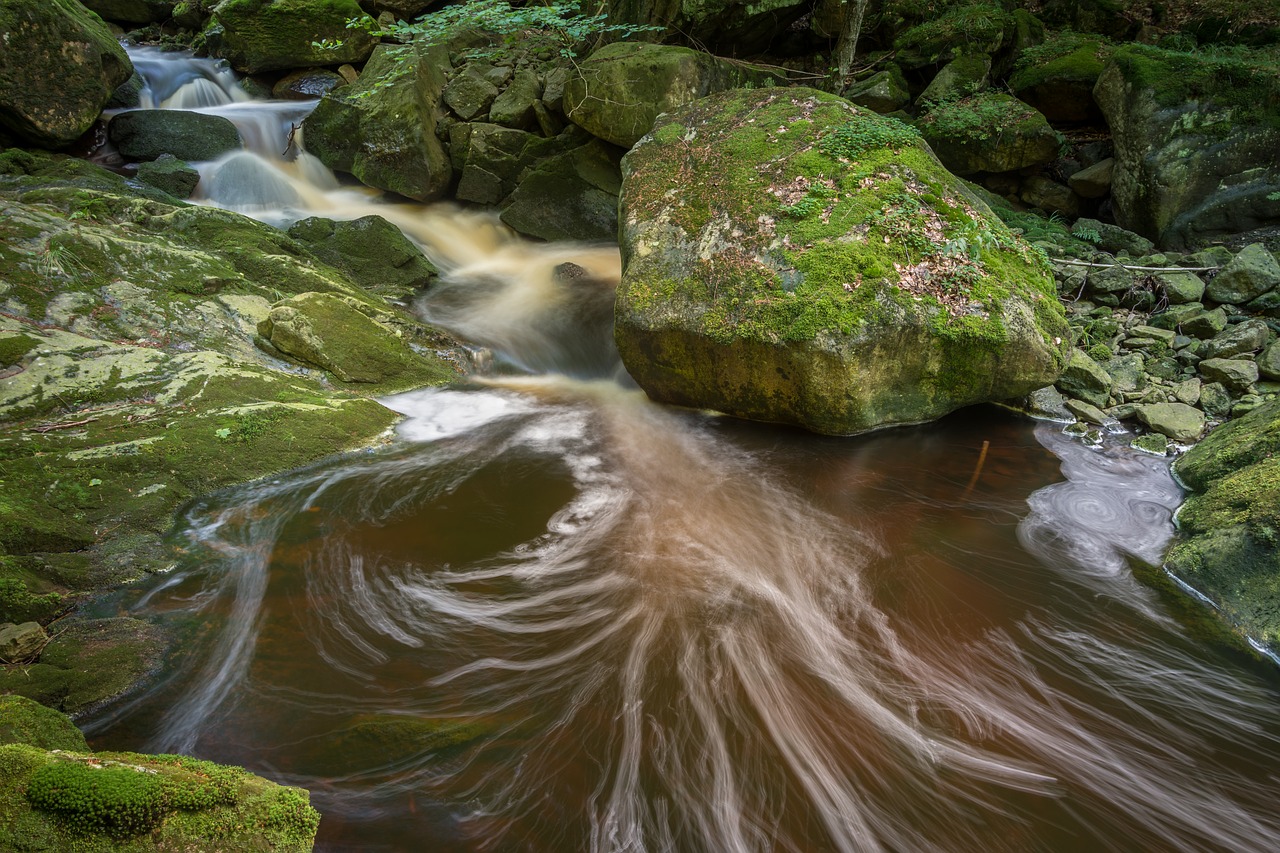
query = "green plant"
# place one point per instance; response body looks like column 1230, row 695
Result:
column 867, row 133
column 120, row 801
column 1091, row 235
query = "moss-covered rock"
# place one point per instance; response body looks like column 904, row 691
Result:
column 962, row 76
column 791, row 258
column 169, row 174
column 572, row 196
column 1229, row 547
column 1195, row 139
column 273, row 35
column 124, row 802
column 372, row 251
column 187, row 135
column 885, row 91
column 382, row 129
column 58, row 69
column 620, row 89
column 743, row 27
column 975, row 28
column 989, row 132
column 132, row 11
column 1058, row 77
column 25, row 721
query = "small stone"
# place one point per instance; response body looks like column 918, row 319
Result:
column 1250, row 274
column 514, row 107
column 1176, row 420
column 1237, row 374
column 1205, row 324
column 1095, row 181
column 1123, row 412
column 1249, row 336
column 1047, row 404
column 1085, row 380
column 1139, row 343
column 1086, row 412
column 1153, row 443
column 1269, row 362
column 21, row 643
column 469, row 95
column 1164, row 335
column 1187, row 391
column 1215, row 399
column 1164, row 368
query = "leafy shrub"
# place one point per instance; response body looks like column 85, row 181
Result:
column 977, row 117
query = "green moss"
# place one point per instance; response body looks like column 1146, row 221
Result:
column 1244, row 80
column 978, row 27
column 978, row 117
column 25, row 721
column 14, row 347
column 1064, row 56
column 119, row 801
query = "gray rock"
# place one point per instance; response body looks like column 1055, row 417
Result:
column 1127, row 372
column 1269, row 362
column 1028, row 139
column 1094, row 181
column 1050, row 196
column 1113, row 238
column 257, row 37
column 1249, row 336
column 1181, row 287
column 1124, row 411
column 1045, row 404
column 306, row 84
column 1164, row 336
column 1187, row 391
column 1086, row 412
column 146, row 134
column 570, row 197
column 1085, row 380
column 1215, row 399
column 1250, row 274
column 21, row 643
column 1237, row 374
column 170, row 174
column 371, row 250
column 514, row 107
column 883, row 92
column 962, row 76
column 469, row 94
column 1176, row 420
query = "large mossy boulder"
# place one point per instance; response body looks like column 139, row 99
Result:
column 187, row 135
column 989, row 132
column 571, row 196
column 1058, row 77
column 962, row 29
column 58, row 68
column 1196, row 137
column 743, row 27
column 619, row 90
column 1229, row 547
column 277, row 35
column 382, row 129
column 372, row 251
column 789, row 257
column 24, row 720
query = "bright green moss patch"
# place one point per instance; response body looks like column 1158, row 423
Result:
column 25, row 721
column 978, row 27
column 978, row 117
column 1245, row 80
column 1064, row 56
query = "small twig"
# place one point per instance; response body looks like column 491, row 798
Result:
column 1133, row 268
column 52, row 427
column 973, row 481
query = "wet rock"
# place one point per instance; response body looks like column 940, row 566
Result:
column 170, row 174
column 884, row 92
column 1127, row 372
column 1085, row 379
column 58, row 68
column 1086, row 412
column 573, row 196
column 1093, row 181
column 1252, row 272
column 1153, row 443
column 469, row 94
column 1249, row 336
column 21, row 643
column 128, row 95
column 1215, row 399
column 275, row 35
column 1176, row 420
column 187, row 135
column 372, row 251
column 1236, row 374
column 1046, row 404
column 307, row 84
column 132, row 11
column 965, row 145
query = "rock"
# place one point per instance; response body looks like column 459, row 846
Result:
column 960, row 134
column 1195, row 144
column 1176, row 420
column 885, row 91
column 1093, row 181
column 1215, row 399
column 1181, row 287
column 944, row 35
column 643, row 80
column 1164, row 336
column 1205, row 324
column 1061, row 85
column 1227, row 549
column 1086, row 412
column 493, row 159
column 275, row 35
column 962, row 76
column 1269, row 362
column 383, row 128
column 1187, row 391
column 1045, row 404
column 1127, row 372
column 1112, row 238
column 1249, row 336
column 1050, row 196
column 514, row 107
column 573, row 196
column 729, row 27
column 170, row 174
column 306, row 84
column 25, row 721
column 21, row 643
column 147, row 134
column 132, row 11
column 1153, row 443
column 773, row 303
column 372, row 251
column 1085, row 379
column 1253, row 272
column 1236, row 374
column 128, row 95
column 469, row 95
column 58, row 69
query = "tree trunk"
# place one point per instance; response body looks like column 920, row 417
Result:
column 847, row 44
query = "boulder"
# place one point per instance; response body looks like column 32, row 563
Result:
column 131, row 11
column 1195, row 143
column 306, row 84
column 572, row 196
column 170, row 174
column 884, row 91
column 1059, row 80
column 1050, row 196
column 147, row 134
column 1084, row 379
column 1251, row 273
column 989, row 132
column 469, row 94
column 276, row 35
column 25, row 721
column 1093, row 181
column 769, row 277
column 964, row 75
column 514, row 107
column 58, row 68
column 1176, row 420
column 21, row 643
column 1181, row 288
column 1269, row 362
column 619, row 90
column 492, row 159
column 372, row 251
column 1112, row 238
column 382, row 129
column 1235, row 374
column 973, row 28
column 734, row 27
column 1248, row 336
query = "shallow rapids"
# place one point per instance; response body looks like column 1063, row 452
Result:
column 550, row 615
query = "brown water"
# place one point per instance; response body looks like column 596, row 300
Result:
column 553, row 616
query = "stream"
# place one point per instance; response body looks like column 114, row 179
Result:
column 551, row 615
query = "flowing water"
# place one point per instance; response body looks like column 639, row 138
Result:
column 552, row 615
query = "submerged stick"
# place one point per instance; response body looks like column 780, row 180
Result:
column 973, row 481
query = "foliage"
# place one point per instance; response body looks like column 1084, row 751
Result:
column 977, row 117
column 557, row 27
column 848, row 141
column 1231, row 77
column 979, row 24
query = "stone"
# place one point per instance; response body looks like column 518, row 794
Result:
column 1181, row 287
column 1093, row 181
column 514, row 107
column 1269, row 362
column 1164, row 336
column 58, row 69
column 1084, row 379
column 277, row 35
column 1086, row 412
column 1194, row 144
column 1050, row 196
column 573, row 196
column 383, row 128
column 943, row 33
column 639, row 81
column 1153, row 443
column 306, row 84
column 1236, row 374
column 726, row 27
column 1112, row 238
column 1045, row 404
column 1176, row 420
column 553, row 83
column 372, row 251
column 1205, row 324
column 25, row 721
column 1253, row 272
column 1245, row 337
column 820, row 329
column 959, row 132
column 469, row 95
column 1215, row 399
column 1127, row 372
column 170, row 174
column 1061, row 86
column 187, row 135
column 131, row 11
column 962, row 76
column 128, row 95
column 1187, row 391
column 21, row 643
column 885, row 91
